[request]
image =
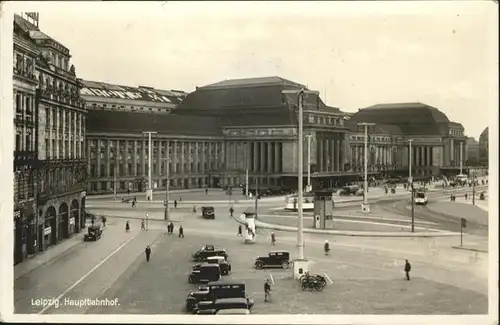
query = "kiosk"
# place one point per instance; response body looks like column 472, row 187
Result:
column 323, row 210
column 249, row 233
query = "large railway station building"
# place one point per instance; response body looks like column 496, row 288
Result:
column 214, row 135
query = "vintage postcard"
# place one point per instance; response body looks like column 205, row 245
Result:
column 249, row 162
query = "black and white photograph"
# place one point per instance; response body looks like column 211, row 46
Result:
column 249, row 162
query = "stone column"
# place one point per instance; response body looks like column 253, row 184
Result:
column 338, row 151
column 125, row 159
column 89, row 161
column 277, row 155
column 108, row 158
column 270, row 157
column 134, row 158
column 255, row 156
column 319, row 155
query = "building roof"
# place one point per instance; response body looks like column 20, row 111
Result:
column 132, row 122
column 379, row 128
column 105, row 90
column 412, row 118
column 250, row 82
column 248, row 102
column 484, row 135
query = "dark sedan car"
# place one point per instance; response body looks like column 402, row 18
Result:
column 274, row 259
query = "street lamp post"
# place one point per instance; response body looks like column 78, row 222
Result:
column 410, row 183
column 167, row 192
column 309, row 187
column 365, row 207
column 461, row 157
column 300, row 265
column 149, row 193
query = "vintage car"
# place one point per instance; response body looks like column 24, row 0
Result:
column 225, row 266
column 208, row 212
column 217, row 290
column 349, row 190
column 273, row 260
column 222, row 304
column 203, row 254
column 94, row 233
column 205, row 273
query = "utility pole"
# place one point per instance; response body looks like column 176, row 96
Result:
column 256, row 195
column 167, row 192
column 246, row 184
column 410, row 180
column 149, row 192
column 473, row 187
column 366, row 207
column 309, row 187
column 114, row 182
column 300, row 172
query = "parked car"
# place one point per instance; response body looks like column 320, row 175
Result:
column 208, row 212
column 202, row 254
column 94, row 233
column 274, row 259
column 205, row 273
column 349, row 190
column 222, row 304
column 225, row 266
column 217, row 290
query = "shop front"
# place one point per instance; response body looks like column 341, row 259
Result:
column 49, row 228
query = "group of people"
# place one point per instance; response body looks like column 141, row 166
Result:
column 170, row 230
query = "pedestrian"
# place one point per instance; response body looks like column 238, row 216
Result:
column 407, row 270
column 175, row 204
column 206, row 191
column 128, row 192
column 273, row 239
column 231, row 211
column 143, row 227
column 239, row 231
column 267, row 290
column 181, row 232
column 127, row 227
column 103, row 221
column 171, row 227
column 194, row 209
column 148, row 253
column 92, row 220
column 133, row 204
column 466, row 196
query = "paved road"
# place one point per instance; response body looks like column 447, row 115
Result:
column 367, row 272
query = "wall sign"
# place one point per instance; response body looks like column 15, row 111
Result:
column 47, row 231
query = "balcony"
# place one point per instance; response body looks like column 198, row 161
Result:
column 25, row 75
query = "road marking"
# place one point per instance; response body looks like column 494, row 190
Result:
column 328, row 278
column 87, row 274
column 271, row 277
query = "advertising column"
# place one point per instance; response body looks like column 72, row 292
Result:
column 249, row 233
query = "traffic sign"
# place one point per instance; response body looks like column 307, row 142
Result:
column 464, row 222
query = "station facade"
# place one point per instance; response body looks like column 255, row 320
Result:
column 214, row 135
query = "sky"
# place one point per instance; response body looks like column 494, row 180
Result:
column 357, row 54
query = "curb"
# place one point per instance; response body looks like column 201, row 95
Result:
column 354, row 233
column 470, row 249
column 55, row 257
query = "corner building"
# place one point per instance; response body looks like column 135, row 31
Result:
column 26, row 163
column 436, row 139
column 61, row 118
column 484, row 148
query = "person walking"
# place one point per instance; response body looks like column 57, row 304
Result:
column 175, row 204
column 181, row 232
column 206, row 191
column 239, row 231
column 231, row 211
column 273, row 239
column 407, row 270
column 148, row 253
column 327, row 247
column 267, row 290
column 103, row 221
column 194, row 209
column 465, row 196
column 127, row 227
